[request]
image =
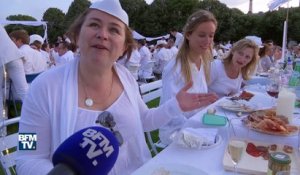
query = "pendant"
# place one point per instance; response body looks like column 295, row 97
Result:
column 89, row 102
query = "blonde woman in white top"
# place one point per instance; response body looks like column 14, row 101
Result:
column 227, row 75
column 190, row 66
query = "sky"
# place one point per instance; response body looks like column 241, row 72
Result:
column 36, row 8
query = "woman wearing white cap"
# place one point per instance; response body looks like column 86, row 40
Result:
column 64, row 100
column 191, row 65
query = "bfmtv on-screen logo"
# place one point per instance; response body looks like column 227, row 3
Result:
column 27, row 141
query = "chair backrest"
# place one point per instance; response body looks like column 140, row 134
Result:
column 133, row 69
column 151, row 91
column 8, row 148
column 31, row 77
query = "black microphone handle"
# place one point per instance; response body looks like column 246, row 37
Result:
column 61, row 169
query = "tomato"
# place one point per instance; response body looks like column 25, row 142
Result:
column 253, row 151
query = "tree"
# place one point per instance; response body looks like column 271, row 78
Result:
column 30, row 29
column 75, row 9
column 55, row 23
column 135, row 10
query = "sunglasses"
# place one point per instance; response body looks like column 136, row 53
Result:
column 107, row 120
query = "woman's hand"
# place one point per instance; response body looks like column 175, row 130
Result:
column 190, row 101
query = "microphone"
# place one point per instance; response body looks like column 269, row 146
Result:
column 92, row 151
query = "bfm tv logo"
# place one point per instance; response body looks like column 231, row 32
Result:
column 27, row 141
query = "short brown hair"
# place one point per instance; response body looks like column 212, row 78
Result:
column 20, row 35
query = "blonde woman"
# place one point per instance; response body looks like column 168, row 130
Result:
column 191, row 65
column 227, row 75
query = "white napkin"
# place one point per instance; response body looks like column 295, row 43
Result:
column 195, row 137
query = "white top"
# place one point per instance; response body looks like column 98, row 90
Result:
column 29, row 59
column 51, row 111
column 172, row 82
column 174, row 51
column 220, row 83
column 145, row 69
column 179, row 39
column 65, row 58
column 161, row 58
column 266, row 63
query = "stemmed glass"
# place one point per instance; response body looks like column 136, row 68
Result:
column 273, row 90
column 236, row 143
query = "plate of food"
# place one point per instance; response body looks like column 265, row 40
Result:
column 266, row 121
column 173, row 169
column 245, row 95
column 237, row 106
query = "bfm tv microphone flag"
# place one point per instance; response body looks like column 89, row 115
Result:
column 273, row 4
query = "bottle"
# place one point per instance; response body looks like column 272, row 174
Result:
column 287, row 73
column 286, row 103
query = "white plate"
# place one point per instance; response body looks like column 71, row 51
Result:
column 174, row 169
column 237, row 106
column 259, row 101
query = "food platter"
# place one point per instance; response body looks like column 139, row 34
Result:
column 266, row 121
column 256, row 161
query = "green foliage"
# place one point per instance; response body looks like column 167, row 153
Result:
column 55, row 23
column 157, row 18
column 75, row 9
column 30, row 29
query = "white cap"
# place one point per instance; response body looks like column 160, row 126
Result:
column 112, row 7
column 36, row 37
column 256, row 40
column 159, row 42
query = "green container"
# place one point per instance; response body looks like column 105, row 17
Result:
column 278, row 161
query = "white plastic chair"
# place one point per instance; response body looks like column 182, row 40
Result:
column 133, row 69
column 8, row 148
column 147, row 71
column 149, row 92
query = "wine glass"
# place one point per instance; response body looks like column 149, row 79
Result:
column 236, row 143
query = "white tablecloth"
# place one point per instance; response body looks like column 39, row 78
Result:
column 210, row 160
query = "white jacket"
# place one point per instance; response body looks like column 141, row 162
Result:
column 51, row 111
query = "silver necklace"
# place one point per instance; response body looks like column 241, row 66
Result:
column 89, row 102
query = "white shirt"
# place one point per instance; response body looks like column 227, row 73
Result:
column 33, row 60
column 161, row 58
column 220, row 83
column 173, row 81
column 145, row 69
column 65, row 58
column 179, row 39
column 51, row 111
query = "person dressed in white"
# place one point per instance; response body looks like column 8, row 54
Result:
column 179, row 37
column 227, row 75
column 266, row 54
column 172, row 47
column 161, row 57
column 32, row 58
column 64, row 54
column 11, row 57
column 36, row 42
column 69, row 98
column 145, row 70
column 191, row 65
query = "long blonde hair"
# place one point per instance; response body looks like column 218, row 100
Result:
column 182, row 57
column 240, row 45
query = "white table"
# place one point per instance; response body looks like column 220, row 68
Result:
column 209, row 160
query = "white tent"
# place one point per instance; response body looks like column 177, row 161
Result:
column 28, row 23
column 138, row 36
